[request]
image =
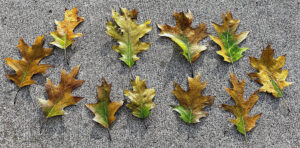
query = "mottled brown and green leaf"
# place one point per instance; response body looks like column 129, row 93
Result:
column 60, row 96
column 104, row 109
column 270, row 74
column 241, row 109
column 64, row 35
column 140, row 98
column 192, row 102
column 29, row 64
column 127, row 33
column 185, row 36
column 228, row 40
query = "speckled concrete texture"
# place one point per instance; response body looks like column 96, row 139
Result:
column 273, row 22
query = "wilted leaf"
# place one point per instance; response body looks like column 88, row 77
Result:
column 140, row 98
column 60, row 96
column 192, row 102
column 228, row 40
column 29, row 64
column 127, row 33
column 104, row 109
column 64, row 34
column 270, row 74
column 186, row 36
column 241, row 108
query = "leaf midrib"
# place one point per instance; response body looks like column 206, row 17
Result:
column 25, row 74
column 61, row 96
column 229, row 48
column 129, row 49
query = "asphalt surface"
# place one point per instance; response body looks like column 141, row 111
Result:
column 270, row 22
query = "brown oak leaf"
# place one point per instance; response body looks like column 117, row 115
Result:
column 60, row 96
column 29, row 64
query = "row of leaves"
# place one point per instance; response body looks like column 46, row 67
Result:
column 125, row 30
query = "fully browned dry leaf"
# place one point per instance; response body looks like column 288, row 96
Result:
column 29, row 64
column 192, row 102
column 60, row 96
column 185, row 36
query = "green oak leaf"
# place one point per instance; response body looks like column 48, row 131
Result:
column 228, row 40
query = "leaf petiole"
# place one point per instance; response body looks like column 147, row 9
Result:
column 279, row 91
column 17, row 95
column 109, row 135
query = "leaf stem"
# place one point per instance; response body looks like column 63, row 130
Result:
column 65, row 50
column 245, row 135
column 145, row 126
column 15, row 99
column 233, row 68
column 65, row 54
column 246, row 140
column 43, row 122
column 192, row 68
column 284, row 100
column 286, row 104
column 130, row 74
column 188, row 134
column 109, row 136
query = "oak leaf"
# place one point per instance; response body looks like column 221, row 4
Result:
column 192, row 102
column 104, row 109
column 228, row 40
column 29, row 64
column 270, row 74
column 140, row 98
column 127, row 33
column 64, row 35
column 60, row 96
column 186, row 36
column 241, row 108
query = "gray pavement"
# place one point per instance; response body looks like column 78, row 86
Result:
column 274, row 22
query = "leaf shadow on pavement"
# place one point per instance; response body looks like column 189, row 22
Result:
column 190, row 130
column 136, row 126
column 51, row 126
column 59, row 59
column 98, row 132
column 231, row 130
column 177, row 67
column 222, row 67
